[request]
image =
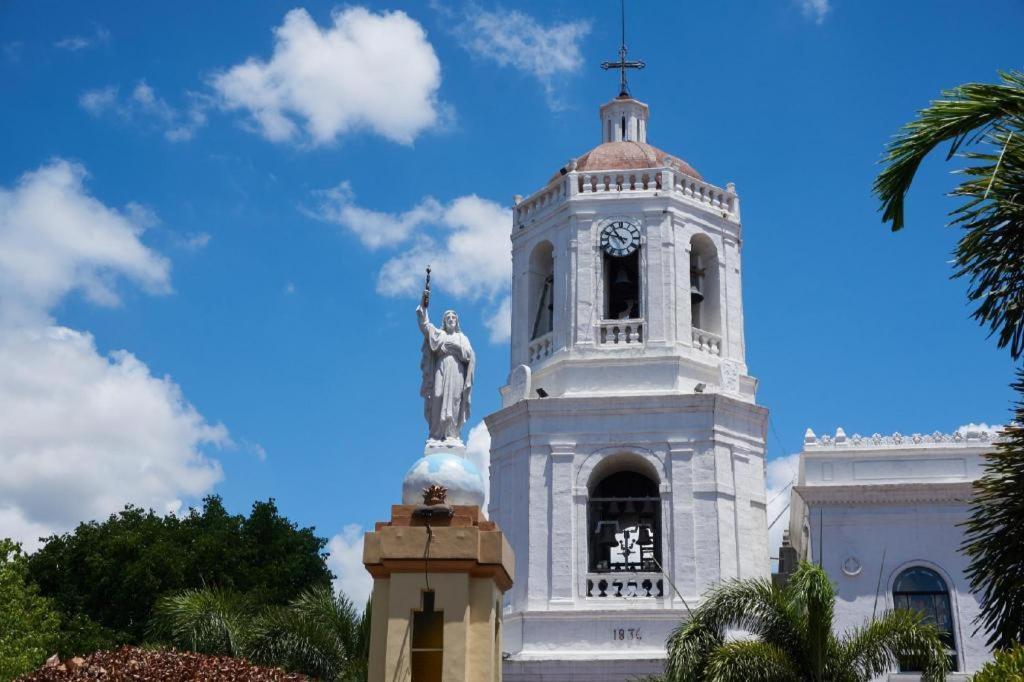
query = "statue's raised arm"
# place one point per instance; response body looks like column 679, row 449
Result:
column 447, row 363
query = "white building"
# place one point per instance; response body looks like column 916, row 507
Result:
column 629, row 446
column 881, row 514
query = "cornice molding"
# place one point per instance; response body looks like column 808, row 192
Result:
column 885, row 494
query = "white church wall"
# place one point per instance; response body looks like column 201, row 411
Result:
column 706, row 455
column 868, row 508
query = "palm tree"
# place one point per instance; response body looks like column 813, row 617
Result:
column 209, row 621
column 990, row 119
column 318, row 633
column 792, row 638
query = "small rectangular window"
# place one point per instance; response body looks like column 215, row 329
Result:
column 427, row 642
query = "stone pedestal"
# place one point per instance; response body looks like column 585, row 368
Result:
column 438, row 577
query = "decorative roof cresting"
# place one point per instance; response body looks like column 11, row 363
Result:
column 898, row 440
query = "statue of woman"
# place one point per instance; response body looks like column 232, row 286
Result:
column 447, row 364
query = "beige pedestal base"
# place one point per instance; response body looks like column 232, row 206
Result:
column 466, row 562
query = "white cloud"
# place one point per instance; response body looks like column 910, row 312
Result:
column 469, row 252
column 98, row 101
column 346, row 561
column 779, row 481
column 983, row 427
column 464, row 241
column 373, row 228
column 500, row 323
column 195, row 241
column 83, row 433
column 478, row 451
column 143, row 106
column 815, row 10
column 76, row 43
column 366, row 70
column 56, row 238
column 513, row 39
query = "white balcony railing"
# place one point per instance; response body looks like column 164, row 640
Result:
column 540, row 348
column 651, row 180
column 620, row 332
column 707, row 342
column 626, row 585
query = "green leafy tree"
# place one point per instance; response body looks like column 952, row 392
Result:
column 112, row 572
column 792, row 637
column 984, row 125
column 318, row 633
column 29, row 623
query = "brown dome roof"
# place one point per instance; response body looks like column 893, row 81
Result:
column 630, row 155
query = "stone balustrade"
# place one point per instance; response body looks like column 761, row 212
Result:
column 626, row 181
column 649, row 180
column 625, row 585
column 620, row 332
column 707, row 342
column 540, row 348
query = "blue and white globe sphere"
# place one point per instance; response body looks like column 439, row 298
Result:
column 459, row 475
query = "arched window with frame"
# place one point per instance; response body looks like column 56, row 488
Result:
column 922, row 590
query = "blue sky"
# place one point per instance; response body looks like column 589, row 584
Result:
column 206, row 310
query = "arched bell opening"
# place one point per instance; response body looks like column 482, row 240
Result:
column 624, row 519
column 622, row 287
column 541, row 289
column 705, row 300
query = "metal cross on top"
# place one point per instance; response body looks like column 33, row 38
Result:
column 622, row 64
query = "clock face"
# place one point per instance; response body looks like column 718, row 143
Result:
column 620, row 238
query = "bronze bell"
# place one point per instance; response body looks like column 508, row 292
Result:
column 622, row 280
column 696, row 296
column 646, row 537
column 606, row 534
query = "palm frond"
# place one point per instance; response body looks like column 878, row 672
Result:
column 994, row 539
column 877, row 647
column 209, row 621
column 963, row 115
column 991, row 250
column 758, row 607
column 810, row 592
column 689, row 647
column 751, row 661
column 318, row 633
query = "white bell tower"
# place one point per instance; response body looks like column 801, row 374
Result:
column 627, row 461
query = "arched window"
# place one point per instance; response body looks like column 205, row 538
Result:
column 624, row 523
column 704, row 289
column 923, row 590
column 542, row 290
